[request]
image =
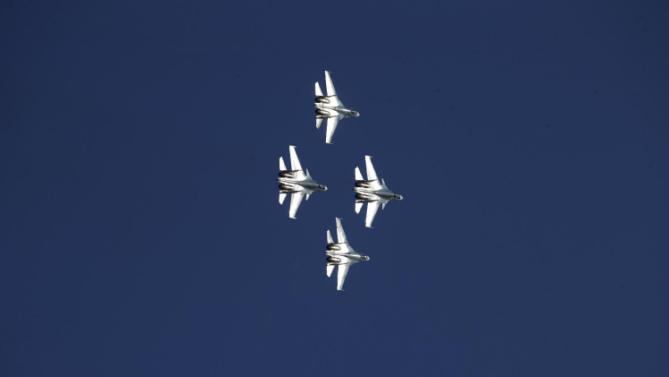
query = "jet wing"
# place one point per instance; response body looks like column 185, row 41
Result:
column 371, row 173
column 373, row 179
column 342, row 271
column 294, row 161
column 372, row 209
column 329, row 85
column 341, row 236
column 295, row 201
column 330, row 129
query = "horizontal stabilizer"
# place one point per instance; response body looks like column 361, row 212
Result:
column 282, row 197
column 358, row 206
column 317, row 90
column 319, row 121
column 329, row 268
column 358, row 174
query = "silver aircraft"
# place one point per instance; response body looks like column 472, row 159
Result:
column 372, row 191
column 297, row 182
column 341, row 255
column 330, row 107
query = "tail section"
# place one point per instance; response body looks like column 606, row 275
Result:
column 282, row 197
column 358, row 206
column 317, row 90
column 282, row 165
column 329, row 236
column 319, row 121
column 329, row 268
column 358, row 174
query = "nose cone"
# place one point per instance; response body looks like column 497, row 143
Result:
column 356, row 114
column 365, row 258
column 400, row 197
column 325, row 188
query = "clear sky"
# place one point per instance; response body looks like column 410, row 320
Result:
column 140, row 233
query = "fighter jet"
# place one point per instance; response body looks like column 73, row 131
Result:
column 330, row 107
column 342, row 255
column 296, row 182
column 372, row 191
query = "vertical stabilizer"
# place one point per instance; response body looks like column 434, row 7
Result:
column 282, row 165
column 329, row 237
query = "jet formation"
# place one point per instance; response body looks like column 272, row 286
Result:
column 299, row 183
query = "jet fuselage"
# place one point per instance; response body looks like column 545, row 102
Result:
column 373, row 190
column 328, row 107
column 339, row 253
column 297, row 180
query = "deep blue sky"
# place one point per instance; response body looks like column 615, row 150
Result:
column 140, row 233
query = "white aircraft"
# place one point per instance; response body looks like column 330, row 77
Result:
column 296, row 182
column 330, row 107
column 342, row 255
column 372, row 191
